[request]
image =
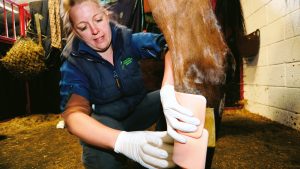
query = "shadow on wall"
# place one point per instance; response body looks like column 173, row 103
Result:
column 43, row 92
column 252, row 61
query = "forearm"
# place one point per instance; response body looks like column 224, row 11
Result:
column 90, row 130
column 168, row 71
column 150, row 149
column 81, row 124
column 178, row 116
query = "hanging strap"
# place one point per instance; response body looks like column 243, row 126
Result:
column 37, row 18
column 54, row 19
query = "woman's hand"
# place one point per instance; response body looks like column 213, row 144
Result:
column 177, row 117
column 150, row 149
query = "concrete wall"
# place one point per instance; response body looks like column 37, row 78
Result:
column 272, row 80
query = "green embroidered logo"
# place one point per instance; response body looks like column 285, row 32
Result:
column 126, row 62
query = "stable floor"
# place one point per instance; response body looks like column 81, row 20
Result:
column 246, row 141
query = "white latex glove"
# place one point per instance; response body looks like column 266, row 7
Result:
column 150, row 149
column 177, row 116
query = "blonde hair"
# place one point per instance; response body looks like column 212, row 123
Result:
column 65, row 7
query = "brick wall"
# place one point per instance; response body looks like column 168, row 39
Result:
column 272, row 79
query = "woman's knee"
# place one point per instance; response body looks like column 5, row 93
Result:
column 95, row 158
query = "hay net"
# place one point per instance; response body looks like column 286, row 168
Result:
column 25, row 59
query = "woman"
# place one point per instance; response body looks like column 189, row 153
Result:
column 104, row 102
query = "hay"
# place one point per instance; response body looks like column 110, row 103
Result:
column 25, row 59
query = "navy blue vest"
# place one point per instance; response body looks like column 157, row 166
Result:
column 115, row 90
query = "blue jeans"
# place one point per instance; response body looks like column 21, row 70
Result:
column 148, row 112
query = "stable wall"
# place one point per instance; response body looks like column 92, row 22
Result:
column 272, row 79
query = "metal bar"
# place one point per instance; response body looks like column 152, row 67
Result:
column 28, row 104
column 13, row 21
column 5, row 39
column 26, row 16
column 11, row 2
column 5, row 19
column 22, row 20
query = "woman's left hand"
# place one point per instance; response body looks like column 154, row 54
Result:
column 178, row 117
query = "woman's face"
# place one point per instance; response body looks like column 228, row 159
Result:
column 91, row 24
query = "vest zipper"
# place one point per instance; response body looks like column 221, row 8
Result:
column 116, row 77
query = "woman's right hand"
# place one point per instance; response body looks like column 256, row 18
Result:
column 150, row 149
